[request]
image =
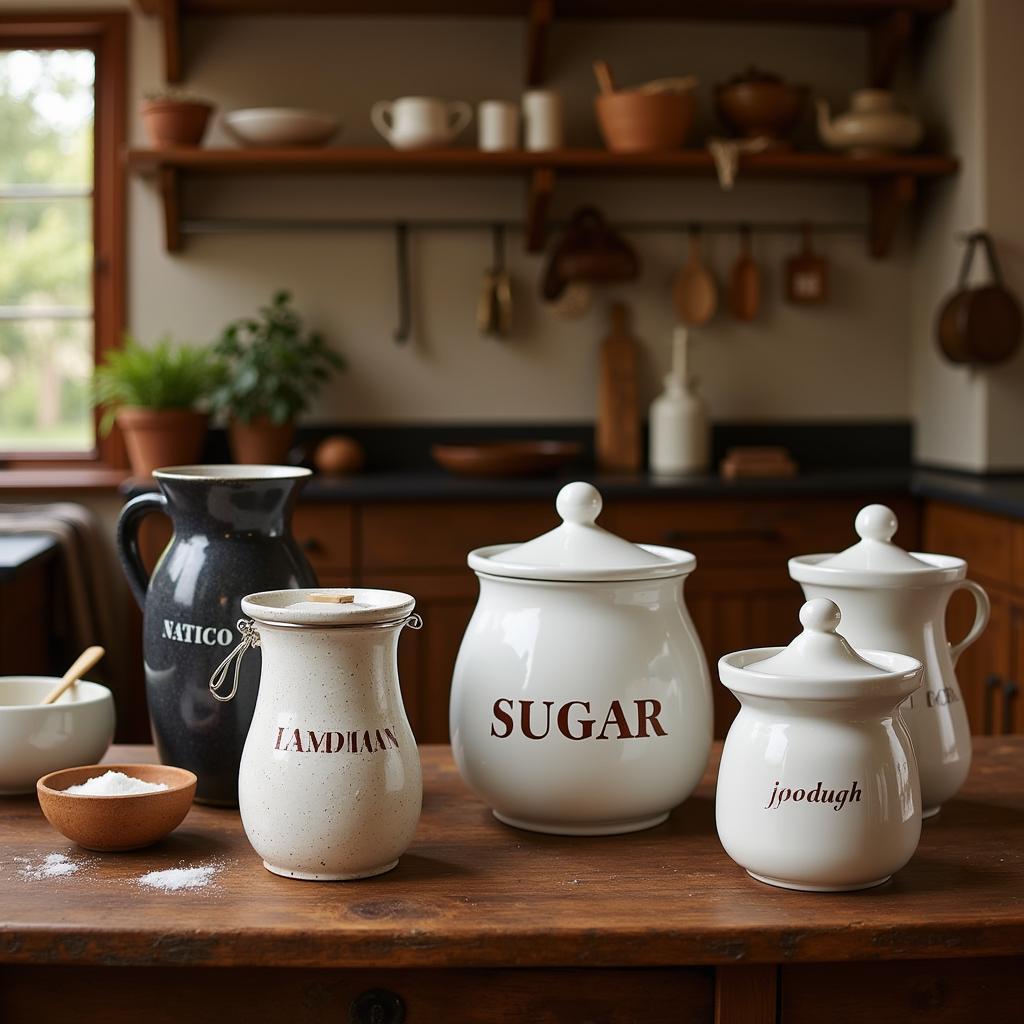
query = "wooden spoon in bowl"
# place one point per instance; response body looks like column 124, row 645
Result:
column 694, row 294
column 85, row 661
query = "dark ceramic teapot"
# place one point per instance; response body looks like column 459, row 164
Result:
column 232, row 537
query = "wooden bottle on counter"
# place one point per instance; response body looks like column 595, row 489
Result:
column 617, row 440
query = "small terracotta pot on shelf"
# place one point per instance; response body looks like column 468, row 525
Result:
column 758, row 104
column 161, row 437
column 260, row 441
column 632, row 121
column 172, row 122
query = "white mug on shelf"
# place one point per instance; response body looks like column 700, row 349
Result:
column 418, row 122
column 543, row 119
column 498, row 126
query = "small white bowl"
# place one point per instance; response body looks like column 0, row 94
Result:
column 280, row 126
column 36, row 738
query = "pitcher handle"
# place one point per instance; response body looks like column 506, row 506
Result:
column 379, row 114
column 127, row 543
column 460, row 113
column 982, row 610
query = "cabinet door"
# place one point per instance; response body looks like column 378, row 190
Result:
column 426, row 657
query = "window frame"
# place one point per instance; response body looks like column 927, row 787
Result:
column 106, row 34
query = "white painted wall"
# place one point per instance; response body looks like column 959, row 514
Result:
column 848, row 360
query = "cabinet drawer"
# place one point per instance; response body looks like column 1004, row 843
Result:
column 325, row 534
column 967, row 991
column 439, row 535
column 985, row 540
column 751, row 530
column 167, row 995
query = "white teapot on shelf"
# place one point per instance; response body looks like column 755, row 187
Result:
column 874, row 125
column 420, row 122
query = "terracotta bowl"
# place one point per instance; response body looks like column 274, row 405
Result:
column 506, row 458
column 170, row 122
column 636, row 122
column 108, row 823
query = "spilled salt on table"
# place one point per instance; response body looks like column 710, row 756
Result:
column 115, row 784
column 53, row 865
column 175, row 879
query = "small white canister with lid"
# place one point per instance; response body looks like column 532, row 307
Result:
column 329, row 786
column 581, row 703
column 895, row 600
column 818, row 788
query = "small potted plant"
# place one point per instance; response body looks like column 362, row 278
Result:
column 153, row 393
column 174, row 119
column 274, row 369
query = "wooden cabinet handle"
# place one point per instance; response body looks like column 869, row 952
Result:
column 992, row 683
column 765, row 534
column 1010, row 691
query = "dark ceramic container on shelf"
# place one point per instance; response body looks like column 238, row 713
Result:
column 232, row 537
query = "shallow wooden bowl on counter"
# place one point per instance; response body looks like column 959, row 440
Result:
column 506, row 458
column 109, row 823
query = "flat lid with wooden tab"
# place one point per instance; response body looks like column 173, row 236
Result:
column 580, row 550
column 328, row 606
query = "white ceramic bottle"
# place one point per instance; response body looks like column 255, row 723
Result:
column 329, row 786
column 678, row 420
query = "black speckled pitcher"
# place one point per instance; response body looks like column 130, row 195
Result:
column 232, row 537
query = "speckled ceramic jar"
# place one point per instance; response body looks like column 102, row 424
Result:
column 232, row 536
column 329, row 786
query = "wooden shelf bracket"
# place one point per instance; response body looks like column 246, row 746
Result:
column 169, row 183
column 541, row 185
column 889, row 38
column 537, row 25
column 889, row 196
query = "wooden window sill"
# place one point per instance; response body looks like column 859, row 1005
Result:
column 93, row 478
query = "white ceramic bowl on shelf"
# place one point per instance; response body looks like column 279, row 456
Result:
column 37, row 738
column 280, row 126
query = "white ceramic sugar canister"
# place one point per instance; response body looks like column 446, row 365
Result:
column 818, row 787
column 329, row 786
column 581, row 703
column 896, row 600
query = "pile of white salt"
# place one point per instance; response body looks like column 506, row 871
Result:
column 115, row 784
column 53, row 865
column 175, row 879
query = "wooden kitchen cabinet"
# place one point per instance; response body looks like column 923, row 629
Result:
column 991, row 672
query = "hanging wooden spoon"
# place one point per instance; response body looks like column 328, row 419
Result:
column 745, row 287
column 82, row 664
column 694, row 294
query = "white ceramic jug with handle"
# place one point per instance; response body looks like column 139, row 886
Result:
column 420, row 122
column 894, row 600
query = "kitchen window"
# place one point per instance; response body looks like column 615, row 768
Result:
column 62, row 103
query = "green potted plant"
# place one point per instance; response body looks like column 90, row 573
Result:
column 274, row 369
column 153, row 393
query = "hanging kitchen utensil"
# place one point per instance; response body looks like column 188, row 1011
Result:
column 694, row 294
column 404, row 328
column 807, row 274
column 494, row 309
column 589, row 251
column 617, row 440
column 980, row 324
column 745, row 286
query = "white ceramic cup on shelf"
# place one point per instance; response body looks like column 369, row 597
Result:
column 543, row 120
column 497, row 126
column 419, row 122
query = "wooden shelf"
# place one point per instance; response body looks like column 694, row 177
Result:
column 891, row 22
column 891, row 180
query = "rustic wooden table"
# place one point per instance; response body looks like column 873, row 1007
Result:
column 480, row 922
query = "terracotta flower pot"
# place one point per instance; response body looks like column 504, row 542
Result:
column 161, row 437
column 261, row 441
column 175, row 122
